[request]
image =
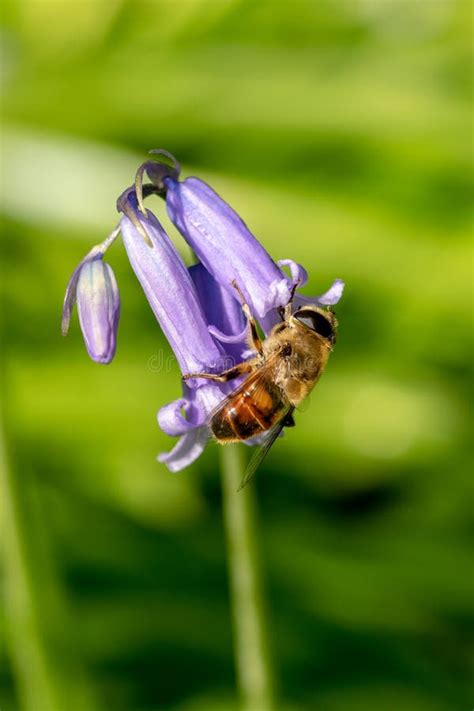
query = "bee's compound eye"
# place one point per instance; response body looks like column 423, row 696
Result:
column 316, row 322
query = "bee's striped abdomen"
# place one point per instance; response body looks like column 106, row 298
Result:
column 248, row 413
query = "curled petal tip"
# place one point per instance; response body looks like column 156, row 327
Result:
column 329, row 298
column 188, row 448
column 172, row 420
column 333, row 294
column 299, row 275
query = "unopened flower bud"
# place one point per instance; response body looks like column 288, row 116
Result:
column 94, row 288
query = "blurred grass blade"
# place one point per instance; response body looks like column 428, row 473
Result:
column 47, row 674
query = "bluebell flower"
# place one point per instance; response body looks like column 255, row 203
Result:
column 196, row 308
column 226, row 247
column 168, row 287
column 180, row 309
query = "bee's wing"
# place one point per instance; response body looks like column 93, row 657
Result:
column 260, row 454
column 257, row 383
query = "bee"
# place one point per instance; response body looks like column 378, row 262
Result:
column 286, row 367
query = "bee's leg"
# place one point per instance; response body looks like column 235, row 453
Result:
column 255, row 340
column 225, row 376
column 289, row 420
column 285, row 312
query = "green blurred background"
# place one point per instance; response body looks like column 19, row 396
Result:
column 339, row 129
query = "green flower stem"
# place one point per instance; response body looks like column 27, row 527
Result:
column 251, row 649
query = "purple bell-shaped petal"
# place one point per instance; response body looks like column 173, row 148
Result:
column 178, row 307
column 225, row 245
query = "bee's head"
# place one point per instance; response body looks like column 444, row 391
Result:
column 323, row 322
